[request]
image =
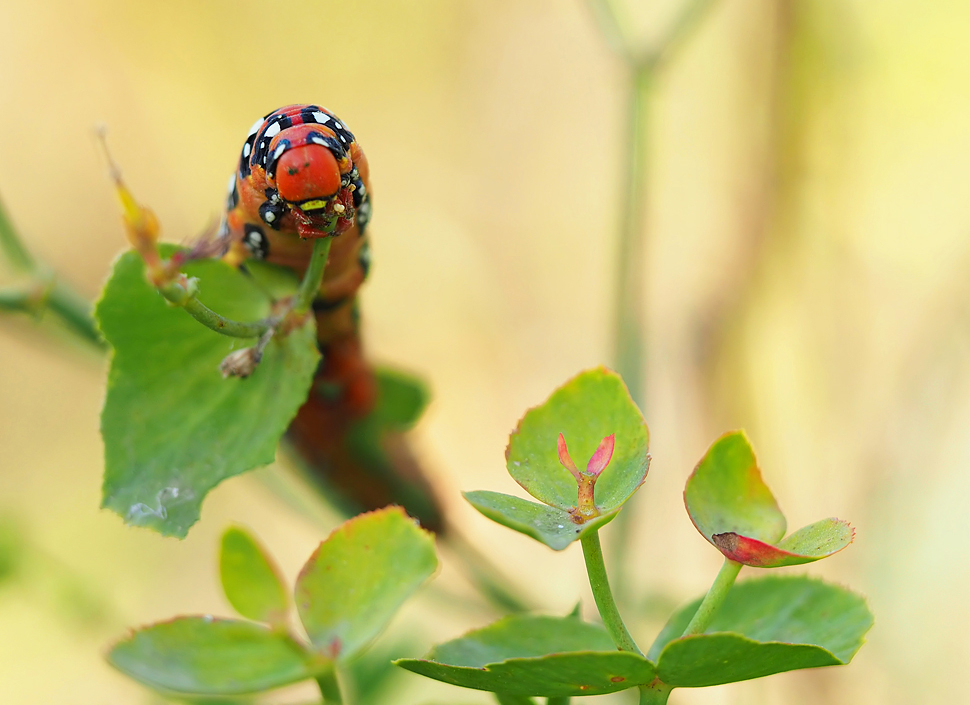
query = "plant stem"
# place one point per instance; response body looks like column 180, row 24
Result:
column 600, row 585
column 330, row 688
column 44, row 292
column 76, row 312
column 655, row 693
column 643, row 66
column 183, row 292
column 629, row 319
column 313, row 276
column 714, row 598
column 184, row 296
column 17, row 300
column 628, row 324
column 11, row 245
column 557, row 701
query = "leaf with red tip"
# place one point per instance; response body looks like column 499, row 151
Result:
column 601, row 458
column 564, row 458
column 358, row 578
column 733, row 508
column 591, row 406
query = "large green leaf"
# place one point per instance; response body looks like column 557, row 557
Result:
column 733, row 508
column 532, row 655
column 358, row 578
column 173, row 428
column 205, row 656
column 552, row 526
column 250, row 580
column 765, row 626
column 588, row 408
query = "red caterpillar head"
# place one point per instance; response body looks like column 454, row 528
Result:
column 310, row 167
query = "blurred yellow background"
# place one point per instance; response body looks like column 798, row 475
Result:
column 806, row 278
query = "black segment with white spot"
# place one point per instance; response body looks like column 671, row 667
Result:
column 232, row 198
column 275, row 124
column 271, row 212
column 256, row 241
column 363, row 257
column 330, row 143
column 363, row 216
column 274, row 158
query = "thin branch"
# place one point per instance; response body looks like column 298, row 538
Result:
column 679, row 32
column 43, row 292
column 608, row 20
column 600, row 585
column 12, row 246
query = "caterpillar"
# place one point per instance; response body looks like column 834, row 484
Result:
column 302, row 175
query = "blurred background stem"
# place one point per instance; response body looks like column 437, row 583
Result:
column 41, row 291
column 630, row 325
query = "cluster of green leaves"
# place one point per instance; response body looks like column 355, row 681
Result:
column 174, row 428
column 761, row 627
column 347, row 592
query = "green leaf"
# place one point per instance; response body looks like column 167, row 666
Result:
column 532, row 655
column 401, row 399
column 733, row 508
column 205, row 656
column 250, row 579
column 549, row 525
column 765, row 626
column 358, row 578
column 725, row 493
column 587, row 409
column 173, row 428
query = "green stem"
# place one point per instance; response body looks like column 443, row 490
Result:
column 313, row 276
column 655, row 693
column 629, row 349
column 714, row 598
column 600, row 585
column 557, row 701
column 17, row 300
column 184, row 296
column 11, row 245
column 330, row 688
column 629, row 319
column 44, row 292
column 76, row 312
column 628, row 324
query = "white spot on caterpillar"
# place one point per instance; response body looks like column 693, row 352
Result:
column 273, row 130
column 247, row 150
column 270, row 216
column 320, row 117
column 232, row 183
column 278, row 152
column 255, row 128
